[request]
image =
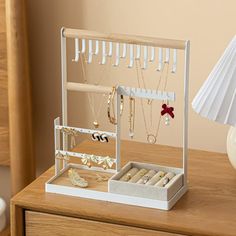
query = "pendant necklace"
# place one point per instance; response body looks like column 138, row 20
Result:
column 91, row 99
column 151, row 137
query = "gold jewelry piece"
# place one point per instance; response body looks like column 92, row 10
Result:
column 101, row 178
column 86, row 160
column 131, row 116
column 156, row 178
column 91, row 99
column 106, row 161
column 127, row 176
column 138, row 175
column 111, row 107
column 164, row 181
column 151, row 137
column 61, row 156
column 72, row 132
column 147, row 177
column 76, row 179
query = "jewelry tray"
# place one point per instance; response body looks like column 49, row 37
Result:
column 61, row 184
column 146, row 191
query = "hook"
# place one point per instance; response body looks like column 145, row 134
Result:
column 174, row 66
column 124, row 50
column 96, row 47
column 167, row 60
column 138, row 52
column 110, row 49
column 103, row 53
column 90, row 53
column 117, row 55
column 77, row 52
column 152, row 54
column 83, row 46
column 131, row 56
column 145, row 57
column 159, row 59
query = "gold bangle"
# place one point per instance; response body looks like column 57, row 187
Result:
column 110, row 102
column 131, row 116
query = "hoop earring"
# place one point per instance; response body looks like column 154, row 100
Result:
column 96, row 136
column 103, row 138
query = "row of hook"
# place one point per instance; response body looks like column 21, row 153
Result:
column 118, row 55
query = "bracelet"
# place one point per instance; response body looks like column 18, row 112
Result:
column 111, row 107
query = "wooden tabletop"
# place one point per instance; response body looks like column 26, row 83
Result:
column 208, row 208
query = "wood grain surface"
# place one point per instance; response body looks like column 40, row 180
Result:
column 208, row 208
column 4, row 131
column 41, row 224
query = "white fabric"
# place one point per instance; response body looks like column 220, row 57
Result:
column 216, row 99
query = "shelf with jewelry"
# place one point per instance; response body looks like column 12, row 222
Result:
column 101, row 177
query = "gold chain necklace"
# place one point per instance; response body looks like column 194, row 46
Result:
column 95, row 114
column 151, row 138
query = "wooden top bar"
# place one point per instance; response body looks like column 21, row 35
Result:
column 123, row 38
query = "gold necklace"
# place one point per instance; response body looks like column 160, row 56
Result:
column 151, row 137
column 96, row 114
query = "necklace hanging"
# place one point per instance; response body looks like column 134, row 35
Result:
column 150, row 136
column 91, row 99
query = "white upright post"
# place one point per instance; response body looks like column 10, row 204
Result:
column 57, row 144
column 185, row 118
column 64, row 90
column 118, row 129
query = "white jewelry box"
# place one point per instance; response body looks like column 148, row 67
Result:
column 146, row 191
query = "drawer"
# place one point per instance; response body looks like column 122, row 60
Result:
column 43, row 224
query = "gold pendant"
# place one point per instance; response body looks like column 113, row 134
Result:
column 151, row 139
column 95, row 124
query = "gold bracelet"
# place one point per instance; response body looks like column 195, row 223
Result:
column 110, row 102
column 131, row 116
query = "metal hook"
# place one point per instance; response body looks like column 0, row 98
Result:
column 83, row 46
column 124, row 51
column 174, row 66
column 110, row 49
column 103, row 53
column 160, row 56
column 131, row 56
column 152, row 54
column 138, row 52
column 145, row 57
column 167, row 60
column 77, row 52
column 96, row 47
column 90, row 53
column 117, row 61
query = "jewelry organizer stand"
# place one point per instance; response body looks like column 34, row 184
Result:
column 112, row 190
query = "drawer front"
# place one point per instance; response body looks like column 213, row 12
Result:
column 42, row 224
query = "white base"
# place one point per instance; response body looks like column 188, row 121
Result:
column 113, row 197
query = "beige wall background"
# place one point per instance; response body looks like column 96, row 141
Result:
column 208, row 24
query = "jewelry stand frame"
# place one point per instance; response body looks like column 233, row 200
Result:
column 121, row 90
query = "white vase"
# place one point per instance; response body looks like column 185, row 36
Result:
column 231, row 146
column 2, row 214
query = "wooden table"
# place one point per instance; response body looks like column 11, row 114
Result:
column 208, row 208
